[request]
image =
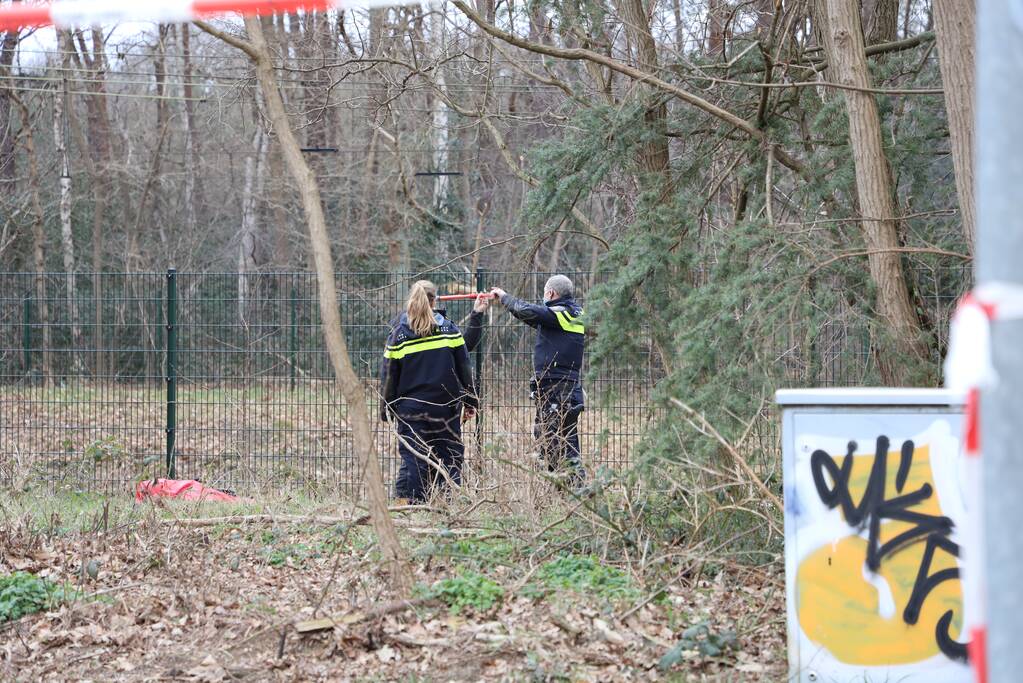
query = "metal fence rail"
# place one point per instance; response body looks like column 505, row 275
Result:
column 109, row 378
column 106, row 379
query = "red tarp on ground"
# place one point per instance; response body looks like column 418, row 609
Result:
column 182, row 489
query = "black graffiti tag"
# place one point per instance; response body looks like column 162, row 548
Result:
column 873, row 508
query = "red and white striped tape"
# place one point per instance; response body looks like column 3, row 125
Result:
column 69, row 13
column 968, row 369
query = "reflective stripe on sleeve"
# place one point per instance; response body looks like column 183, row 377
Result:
column 569, row 323
column 419, row 340
column 440, row 341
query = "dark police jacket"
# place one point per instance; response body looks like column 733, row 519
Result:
column 473, row 332
column 560, row 338
column 429, row 374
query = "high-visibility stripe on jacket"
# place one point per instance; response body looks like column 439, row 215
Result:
column 560, row 336
column 569, row 323
column 436, row 341
column 426, row 374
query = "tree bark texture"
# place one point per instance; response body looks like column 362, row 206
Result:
column 880, row 21
column 248, row 233
column 955, row 24
column 717, row 15
column 194, row 196
column 95, row 152
column 38, row 238
column 875, row 191
column 351, row 386
column 8, row 172
column 60, row 144
column 440, row 130
column 653, row 156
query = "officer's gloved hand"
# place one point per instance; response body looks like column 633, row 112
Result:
column 482, row 302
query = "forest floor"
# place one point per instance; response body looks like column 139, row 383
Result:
column 255, row 436
column 215, row 592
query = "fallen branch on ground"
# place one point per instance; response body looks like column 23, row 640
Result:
column 252, row 519
column 291, row 519
column 408, row 641
column 313, row 625
column 708, row 429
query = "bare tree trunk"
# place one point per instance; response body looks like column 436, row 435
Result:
column 315, row 50
column 654, row 154
column 559, row 244
column 194, row 196
column 390, row 224
column 99, row 203
column 765, row 18
column 162, row 124
column 848, row 61
column 907, row 16
column 349, row 383
column 248, row 238
column 60, row 144
column 679, row 34
column 96, row 153
column 955, row 24
column 282, row 256
column 8, row 172
column 880, row 21
column 717, row 15
column 151, row 194
column 38, row 238
column 101, row 140
column 441, row 184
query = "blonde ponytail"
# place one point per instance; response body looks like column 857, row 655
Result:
column 420, row 307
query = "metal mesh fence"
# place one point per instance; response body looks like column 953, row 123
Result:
column 99, row 374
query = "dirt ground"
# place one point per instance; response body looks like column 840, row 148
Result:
column 253, row 437
column 204, row 592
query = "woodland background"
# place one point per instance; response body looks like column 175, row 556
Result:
column 773, row 193
column 771, row 187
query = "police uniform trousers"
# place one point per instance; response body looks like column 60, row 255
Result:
column 556, row 428
column 430, row 445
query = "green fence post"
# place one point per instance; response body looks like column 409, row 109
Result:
column 171, row 377
column 293, row 342
column 479, row 367
column 26, row 333
column 159, row 314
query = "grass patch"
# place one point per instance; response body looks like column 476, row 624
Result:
column 22, row 593
column 472, row 553
column 67, row 512
column 583, row 574
column 466, row 590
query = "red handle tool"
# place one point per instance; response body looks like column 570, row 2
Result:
column 460, row 297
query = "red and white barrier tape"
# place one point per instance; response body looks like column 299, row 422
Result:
column 968, row 369
column 69, row 13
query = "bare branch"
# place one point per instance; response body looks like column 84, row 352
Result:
column 578, row 54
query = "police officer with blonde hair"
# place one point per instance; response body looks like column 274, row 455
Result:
column 557, row 362
column 428, row 389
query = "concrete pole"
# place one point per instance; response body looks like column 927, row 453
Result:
column 1000, row 259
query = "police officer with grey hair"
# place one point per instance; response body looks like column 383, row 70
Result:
column 557, row 362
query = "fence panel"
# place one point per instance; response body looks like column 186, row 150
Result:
column 85, row 379
column 82, row 397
